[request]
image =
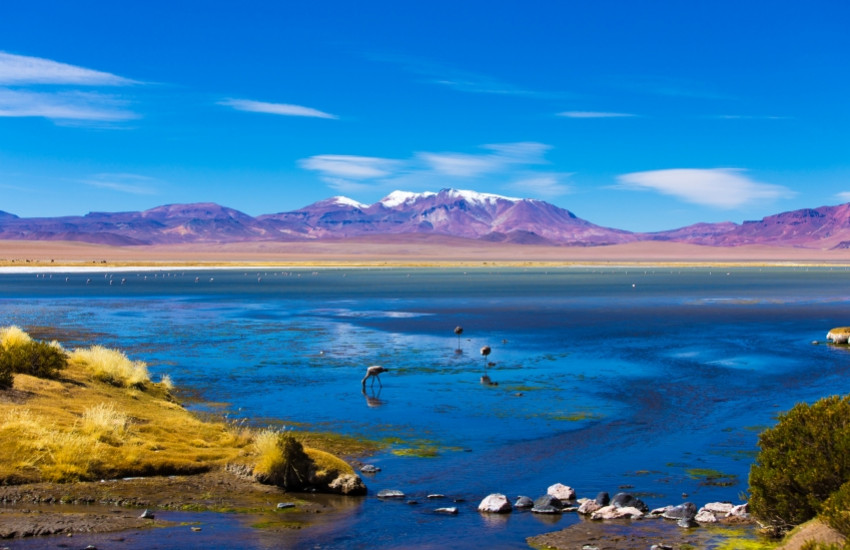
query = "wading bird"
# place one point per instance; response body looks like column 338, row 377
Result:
column 374, row 370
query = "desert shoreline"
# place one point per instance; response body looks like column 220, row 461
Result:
column 415, row 251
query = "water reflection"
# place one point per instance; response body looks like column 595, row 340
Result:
column 373, row 399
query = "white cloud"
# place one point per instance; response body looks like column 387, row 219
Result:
column 843, row 196
column 719, row 187
column 125, row 183
column 542, row 185
column 21, row 70
column 594, row 114
column 350, row 166
column 467, row 165
column 459, row 164
column 73, row 105
column 275, row 108
column 505, row 165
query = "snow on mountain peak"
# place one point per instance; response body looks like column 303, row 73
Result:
column 397, row 198
column 345, row 201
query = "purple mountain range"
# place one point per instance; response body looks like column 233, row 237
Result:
column 450, row 212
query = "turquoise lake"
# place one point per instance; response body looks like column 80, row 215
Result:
column 635, row 379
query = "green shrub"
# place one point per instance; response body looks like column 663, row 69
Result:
column 803, row 460
column 6, row 376
column 836, row 510
column 34, row 358
column 282, row 461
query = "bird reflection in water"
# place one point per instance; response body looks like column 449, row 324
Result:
column 373, row 399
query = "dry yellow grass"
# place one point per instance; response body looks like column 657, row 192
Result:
column 104, row 418
column 13, row 336
column 112, row 366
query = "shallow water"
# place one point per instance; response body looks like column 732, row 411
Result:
column 606, row 378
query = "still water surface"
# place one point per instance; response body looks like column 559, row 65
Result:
column 603, row 378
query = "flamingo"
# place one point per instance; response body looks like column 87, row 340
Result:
column 374, row 370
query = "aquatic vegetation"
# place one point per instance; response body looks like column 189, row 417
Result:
column 712, row 478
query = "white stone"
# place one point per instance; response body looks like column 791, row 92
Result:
column 588, row 507
column 738, row 511
column 561, row 492
column 495, row 504
column 612, row 512
column 705, row 516
column 719, row 507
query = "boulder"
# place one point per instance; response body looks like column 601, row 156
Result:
column 547, row 504
column 451, row 510
column 617, row 512
column 685, row 511
column 603, row 499
column 561, row 492
column 658, row 512
column 719, row 507
column 740, row 511
column 626, row 500
column 347, row 484
column 705, row 516
column 588, row 507
column 390, row 493
column 369, row 469
column 495, row 504
column 523, row 502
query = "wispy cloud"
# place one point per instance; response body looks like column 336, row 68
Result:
column 543, row 185
column 133, row 184
column 284, row 109
column 843, row 196
column 510, row 165
column 351, row 166
column 20, row 70
column 725, row 188
column 463, row 81
column 38, row 87
column 594, row 114
column 71, row 105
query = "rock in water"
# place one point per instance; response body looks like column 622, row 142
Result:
column 523, row 502
column 685, row 511
column 547, row 504
column 390, row 493
column 147, row 514
column 496, row 503
column 603, row 499
column 625, row 500
column 347, row 484
column 561, row 492
column 451, row 510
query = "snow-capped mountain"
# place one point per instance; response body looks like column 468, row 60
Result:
column 449, row 212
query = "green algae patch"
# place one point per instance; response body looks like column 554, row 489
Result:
column 279, row 525
column 714, row 478
column 728, row 538
column 576, row 416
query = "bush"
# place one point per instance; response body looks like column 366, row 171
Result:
column 836, row 510
column 803, row 460
column 34, row 358
column 6, row 376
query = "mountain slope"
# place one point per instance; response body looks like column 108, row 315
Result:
column 449, row 212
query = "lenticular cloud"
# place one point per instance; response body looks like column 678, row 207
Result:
column 718, row 187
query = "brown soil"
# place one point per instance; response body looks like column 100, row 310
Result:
column 814, row 530
column 115, row 505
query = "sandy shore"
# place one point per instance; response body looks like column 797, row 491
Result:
column 403, row 251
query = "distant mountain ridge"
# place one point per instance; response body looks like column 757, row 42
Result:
column 449, row 212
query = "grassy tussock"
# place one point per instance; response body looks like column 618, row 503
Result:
column 111, row 366
column 13, row 336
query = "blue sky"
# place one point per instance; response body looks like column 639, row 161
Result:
column 632, row 114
